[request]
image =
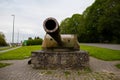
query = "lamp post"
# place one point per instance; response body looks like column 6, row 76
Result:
column 18, row 38
column 13, row 28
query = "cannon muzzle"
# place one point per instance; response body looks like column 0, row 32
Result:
column 51, row 27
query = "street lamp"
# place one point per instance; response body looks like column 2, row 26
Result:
column 13, row 28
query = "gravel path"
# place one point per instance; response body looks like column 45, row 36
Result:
column 109, row 46
column 19, row 70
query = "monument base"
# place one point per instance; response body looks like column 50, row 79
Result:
column 64, row 60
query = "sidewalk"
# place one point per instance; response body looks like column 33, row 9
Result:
column 9, row 49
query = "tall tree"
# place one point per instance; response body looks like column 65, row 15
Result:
column 64, row 26
column 99, row 23
column 102, row 21
column 2, row 39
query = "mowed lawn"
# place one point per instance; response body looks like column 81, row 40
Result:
column 97, row 52
column 20, row 53
column 102, row 53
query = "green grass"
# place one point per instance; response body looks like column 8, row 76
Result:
column 67, row 73
column 85, row 70
column 97, row 52
column 102, row 53
column 118, row 66
column 19, row 53
column 49, row 72
column 4, row 64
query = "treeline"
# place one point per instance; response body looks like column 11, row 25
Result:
column 99, row 23
column 35, row 41
column 2, row 40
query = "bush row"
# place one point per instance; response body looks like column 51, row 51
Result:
column 32, row 42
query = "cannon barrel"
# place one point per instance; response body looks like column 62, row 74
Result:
column 51, row 27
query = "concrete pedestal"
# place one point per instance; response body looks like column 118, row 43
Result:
column 63, row 60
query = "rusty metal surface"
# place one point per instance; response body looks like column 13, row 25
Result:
column 51, row 27
column 53, row 39
column 69, row 41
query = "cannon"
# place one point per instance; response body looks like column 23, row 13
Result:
column 59, row 50
column 54, row 41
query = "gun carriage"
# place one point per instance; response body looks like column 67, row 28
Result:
column 59, row 50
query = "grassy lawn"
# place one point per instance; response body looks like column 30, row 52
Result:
column 4, row 64
column 97, row 52
column 20, row 53
column 102, row 53
column 118, row 66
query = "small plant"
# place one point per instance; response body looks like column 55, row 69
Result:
column 79, row 72
column 118, row 66
column 48, row 72
column 87, row 69
column 4, row 64
column 67, row 73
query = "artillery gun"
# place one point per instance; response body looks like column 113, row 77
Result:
column 54, row 41
column 59, row 51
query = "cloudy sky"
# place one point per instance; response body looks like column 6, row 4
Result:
column 30, row 14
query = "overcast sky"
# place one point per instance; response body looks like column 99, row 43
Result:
column 30, row 14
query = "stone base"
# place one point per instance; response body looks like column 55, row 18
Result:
column 64, row 60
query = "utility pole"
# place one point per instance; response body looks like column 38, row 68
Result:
column 13, row 28
column 18, row 38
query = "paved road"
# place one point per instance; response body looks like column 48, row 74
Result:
column 9, row 49
column 109, row 46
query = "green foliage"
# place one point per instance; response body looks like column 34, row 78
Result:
column 67, row 73
column 98, row 23
column 4, row 64
column 84, row 70
column 71, row 25
column 102, row 53
column 34, row 42
column 64, row 26
column 2, row 40
column 49, row 72
column 118, row 66
column 102, row 21
column 30, row 41
column 19, row 53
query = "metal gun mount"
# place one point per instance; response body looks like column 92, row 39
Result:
column 59, row 51
column 54, row 41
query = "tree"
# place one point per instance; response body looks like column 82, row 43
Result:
column 30, row 38
column 99, row 23
column 2, row 40
column 102, row 21
column 73, row 25
column 64, row 26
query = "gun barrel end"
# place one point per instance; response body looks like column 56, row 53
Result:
column 50, row 25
